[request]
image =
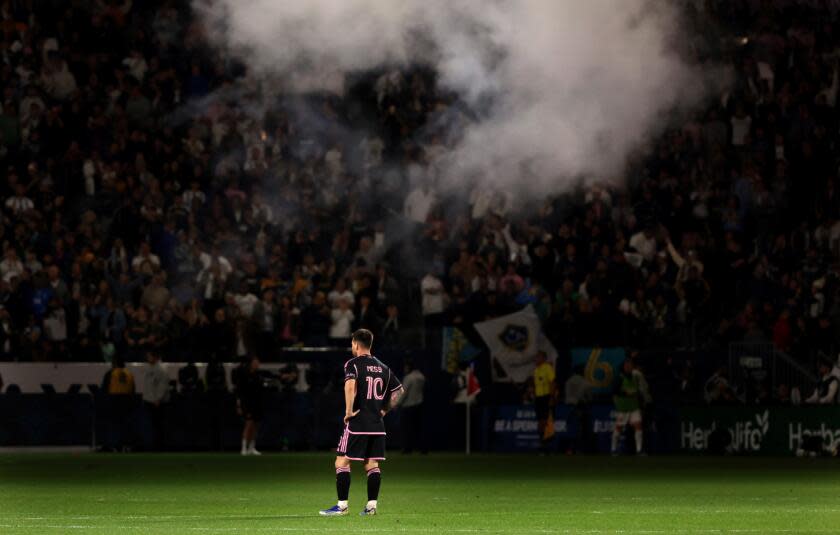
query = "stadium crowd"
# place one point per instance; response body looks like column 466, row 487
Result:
column 151, row 203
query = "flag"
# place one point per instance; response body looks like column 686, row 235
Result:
column 456, row 350
column 469, row 386
column 473, row 387
column 549, row 427
column 513, row 341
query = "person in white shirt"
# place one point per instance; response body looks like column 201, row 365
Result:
column 419, row 203
column 55, row 324
column 342, row 320
column 825, row 392
column 434, row 301
column 145, row 255
column 155, row 395
column 19, row 203
column 741, row 123
column 215, row 253
column 136, row 65
column 194, row 194
column 11, row 266
column 644, row 243
column 411, row 409
column 245, row 300
column 434, row 295
column 262, row 211
column 341, row 292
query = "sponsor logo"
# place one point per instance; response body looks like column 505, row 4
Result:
column 525, row 422
column 604, row 426
column 515, row 337
column 797, row 433
column 744, row 435
column 515, row 426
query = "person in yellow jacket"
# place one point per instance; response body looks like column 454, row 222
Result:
column 545, row 396
column 119, row 403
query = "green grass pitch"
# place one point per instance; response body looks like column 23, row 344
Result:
column 443, row 493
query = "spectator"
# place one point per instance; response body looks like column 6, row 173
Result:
column 245, row 300
column 433, row 304
column 145, row 261
column 8, row 337
column 188, row 379
column 342, row 323
column 825, row 392
column 341, row 292
column 717, row 389
column 19, row 204
column 265, row 319
column 156, row 295
column 391, row 333
column 10, row 266
column 411, row 409
column 579, row 394
column 365, row 315
column 289, row 322
column 155, row 397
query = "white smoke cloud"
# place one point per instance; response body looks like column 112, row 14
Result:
column 565, row 88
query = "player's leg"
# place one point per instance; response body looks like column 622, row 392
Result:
column 374, row 452
column 374, row 480
column 246, row 435
column 252, row 444
column 342, row 480
column 342, row 477
column 620, row 421
column 636, row 422
column 342, row 487
column 254, row 414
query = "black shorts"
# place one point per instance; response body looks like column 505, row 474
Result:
column 359, row 447
column 252, row 411
column 543, row 408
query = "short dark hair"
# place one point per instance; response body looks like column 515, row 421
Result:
column 363, row 337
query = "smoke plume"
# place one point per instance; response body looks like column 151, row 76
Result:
column 561, row 89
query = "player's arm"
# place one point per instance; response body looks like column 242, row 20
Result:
column 349, row 397
column 393, row 399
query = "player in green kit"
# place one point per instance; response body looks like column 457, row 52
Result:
column 631, row 394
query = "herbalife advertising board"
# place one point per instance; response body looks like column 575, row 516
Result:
column 767, row 430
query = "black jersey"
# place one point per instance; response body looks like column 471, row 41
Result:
column 374, row 384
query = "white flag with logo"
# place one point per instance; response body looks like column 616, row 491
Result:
column 513, row 341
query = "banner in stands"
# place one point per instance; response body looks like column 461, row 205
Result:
column 514, row 427
column 457, row 350
column 761, row 430
column 513, row 341
column 601, row 365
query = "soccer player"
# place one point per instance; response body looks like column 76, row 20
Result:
column 631, row 393
column 370, row 391
column 248, row 383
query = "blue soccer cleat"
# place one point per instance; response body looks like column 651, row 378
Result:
column 333, row 511
column 368, row 512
